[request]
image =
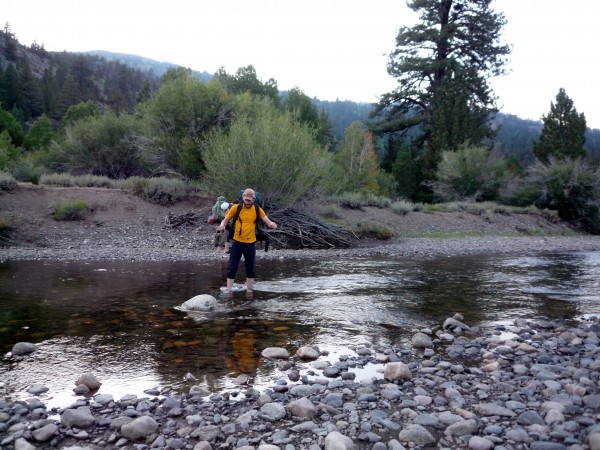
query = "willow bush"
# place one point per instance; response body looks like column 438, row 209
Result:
column 469, row 173
column 269, row 151
column 571, row 186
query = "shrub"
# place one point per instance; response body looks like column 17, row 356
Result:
column 25, row 170
column 402, row 207
column 107, row 145
column 468, row 173
column 7, row 181
column 267, row 150
column 356, row 200
column 374, row 230
column 67, row 180
column 161, row 190
column 330, row 211
column 57, row 179
column 74, row 210
column 571, row 186
column 519, row 192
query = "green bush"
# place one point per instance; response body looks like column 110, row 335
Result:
column 572, row 188
column 267, row 150
column 469, row 173
column 74, row 210
column 520, row 192
column 106, row 145
column 25, row 170
column 374, row 230
column 57, row 179
column 330, row 211
column 7, row 181
column 161, row 190
column 402, row 207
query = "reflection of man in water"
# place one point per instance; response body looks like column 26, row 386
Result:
column 243, row 346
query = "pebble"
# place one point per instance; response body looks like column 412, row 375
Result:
column 541, row 391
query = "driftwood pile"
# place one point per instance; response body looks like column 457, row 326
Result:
column 189, row 218
column 300, row 229
column 296, row 229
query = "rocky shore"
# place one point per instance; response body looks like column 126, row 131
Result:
column 188, row 247
column 532, row 385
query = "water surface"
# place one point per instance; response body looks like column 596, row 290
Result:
column 120, row 320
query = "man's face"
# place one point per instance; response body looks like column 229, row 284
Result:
column 248, row 200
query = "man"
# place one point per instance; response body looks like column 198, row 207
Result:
column 244, row 237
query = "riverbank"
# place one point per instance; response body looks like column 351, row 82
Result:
column 414, row 247
column 121, row 226
column 532, row 385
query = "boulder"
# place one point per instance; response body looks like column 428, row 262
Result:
column 89, row 380
column 397, row 371
column 307, row 353
column 23, row 348
column 202, row 302
column 275, row 353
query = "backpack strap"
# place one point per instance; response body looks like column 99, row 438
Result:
column 237, row 215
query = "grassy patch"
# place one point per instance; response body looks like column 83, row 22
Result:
column 440, row 234
column 357, row 200
column 373, row 230
column 68, row 180
column 74, row 210
column 330, row 211
column 161, row 190
column 402, row 207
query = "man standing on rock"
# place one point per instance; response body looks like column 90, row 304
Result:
column 244, row 237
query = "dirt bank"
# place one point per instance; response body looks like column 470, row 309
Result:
column 119, row 225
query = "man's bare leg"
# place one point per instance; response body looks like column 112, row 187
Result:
column 250, row 284
column 230, row 283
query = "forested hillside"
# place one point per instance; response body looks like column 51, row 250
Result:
column 34, row 81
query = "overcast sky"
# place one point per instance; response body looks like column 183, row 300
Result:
column 330, row 49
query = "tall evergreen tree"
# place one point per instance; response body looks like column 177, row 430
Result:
column 13, row 95
column 32, row 101
column 454, row 46
column 246, row 80
column 563, row 135
column 327, row 137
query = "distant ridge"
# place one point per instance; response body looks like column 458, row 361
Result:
column 158, row 68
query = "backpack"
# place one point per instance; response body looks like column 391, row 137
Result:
column 261, row 236
column 216, row 212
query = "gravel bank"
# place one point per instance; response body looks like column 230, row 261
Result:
column 533, row 385
column 190, row 246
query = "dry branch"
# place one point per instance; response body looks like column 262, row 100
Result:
column 299, row 229
column 189, row 218
column 296, row 229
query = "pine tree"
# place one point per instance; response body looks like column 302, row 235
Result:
column 446, row 57
column 563, row 135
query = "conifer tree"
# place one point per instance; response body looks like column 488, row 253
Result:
column 448, row 55
column 563, row 135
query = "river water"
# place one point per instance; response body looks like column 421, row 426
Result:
column 121, row 322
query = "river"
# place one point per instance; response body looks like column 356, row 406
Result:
column 121, row 322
